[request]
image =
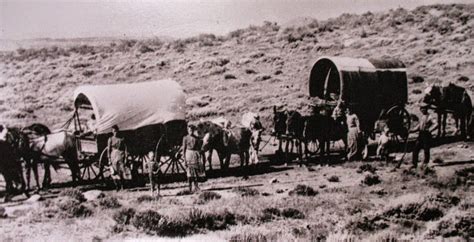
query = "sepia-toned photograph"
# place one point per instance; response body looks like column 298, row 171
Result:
column 236, row 120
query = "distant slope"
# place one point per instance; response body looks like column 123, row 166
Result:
column 249, row 69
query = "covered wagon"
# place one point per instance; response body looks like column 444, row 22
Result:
column 374, row 88
column 150, row 116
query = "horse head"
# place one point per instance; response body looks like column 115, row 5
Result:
column 294, row 123
column 432, row 95
column 209, row 132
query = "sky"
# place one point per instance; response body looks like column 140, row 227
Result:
column 30, row 19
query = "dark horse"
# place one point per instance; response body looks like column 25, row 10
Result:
column 288, row 125
column 450, row 99
column 213, row 139
column 49, row 148
column 10, row 164
column 322, row 128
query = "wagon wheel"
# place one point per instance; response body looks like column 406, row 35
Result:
column 104, row 163
column 173, row 161
column 90, row 170
column 399, row 123
column 138, row 164
column 313, row 147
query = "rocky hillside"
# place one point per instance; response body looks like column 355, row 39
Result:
column 248, row 69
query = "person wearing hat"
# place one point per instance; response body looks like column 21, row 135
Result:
column 425, row 126
column 192, row 145
column 117, row 153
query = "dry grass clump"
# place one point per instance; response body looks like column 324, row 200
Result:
column 292, row 213
column 459, row 226
column 124, row 216
column 63, row 207
column 333, row 178
column 410, row 213
column 249, row 237
column 272, row 213
column 109, row 202
column 430, row 208
column 73, row 193
column 366, row 167
column 246, row 191
column 184, row 192
column 303, row 190
column 146, row 198
column 198, row 219
column 207, row 196
column 73, row 208
column 371, row 180
column 154, row 223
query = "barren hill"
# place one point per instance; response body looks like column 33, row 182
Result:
column 249, row 69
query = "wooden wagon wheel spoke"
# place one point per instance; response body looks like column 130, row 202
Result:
column 181, row 164
column 167, row 168
column 165, row 162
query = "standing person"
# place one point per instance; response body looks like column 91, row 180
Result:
column 192, row 156
column 117, row 153
column 256, row 128
column 383, row 144
column 354, row 136
column 424, row 128
column 227, row 132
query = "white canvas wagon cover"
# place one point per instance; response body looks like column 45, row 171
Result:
column 132, row 105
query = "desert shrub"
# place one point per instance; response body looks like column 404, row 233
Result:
column 213, row 62
column 333, row 178
column 366, row 168
column 82, row 49
column 88, row 73
column 73, row 193
column 148, row 221
column 463, row 79
column 184, row 192
column 416, row 91
column 80, row 65
column 229, row 76
column 249, row 237
column 124, row 216
column 72, row 208
column 250, row 71
column 210, row 221
column 236, row 33
column 206, row 196
column 303, row 190
column 371, row 180
column 145, row 49
column 430, row 208
column 246, row 191
column 146, row 198
column 458, row 226
column 465, row 172
column 109, row 202
column 417, row 79
column 292, row 213
column 269, row 214
column 367, row 224
column 260, row 78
